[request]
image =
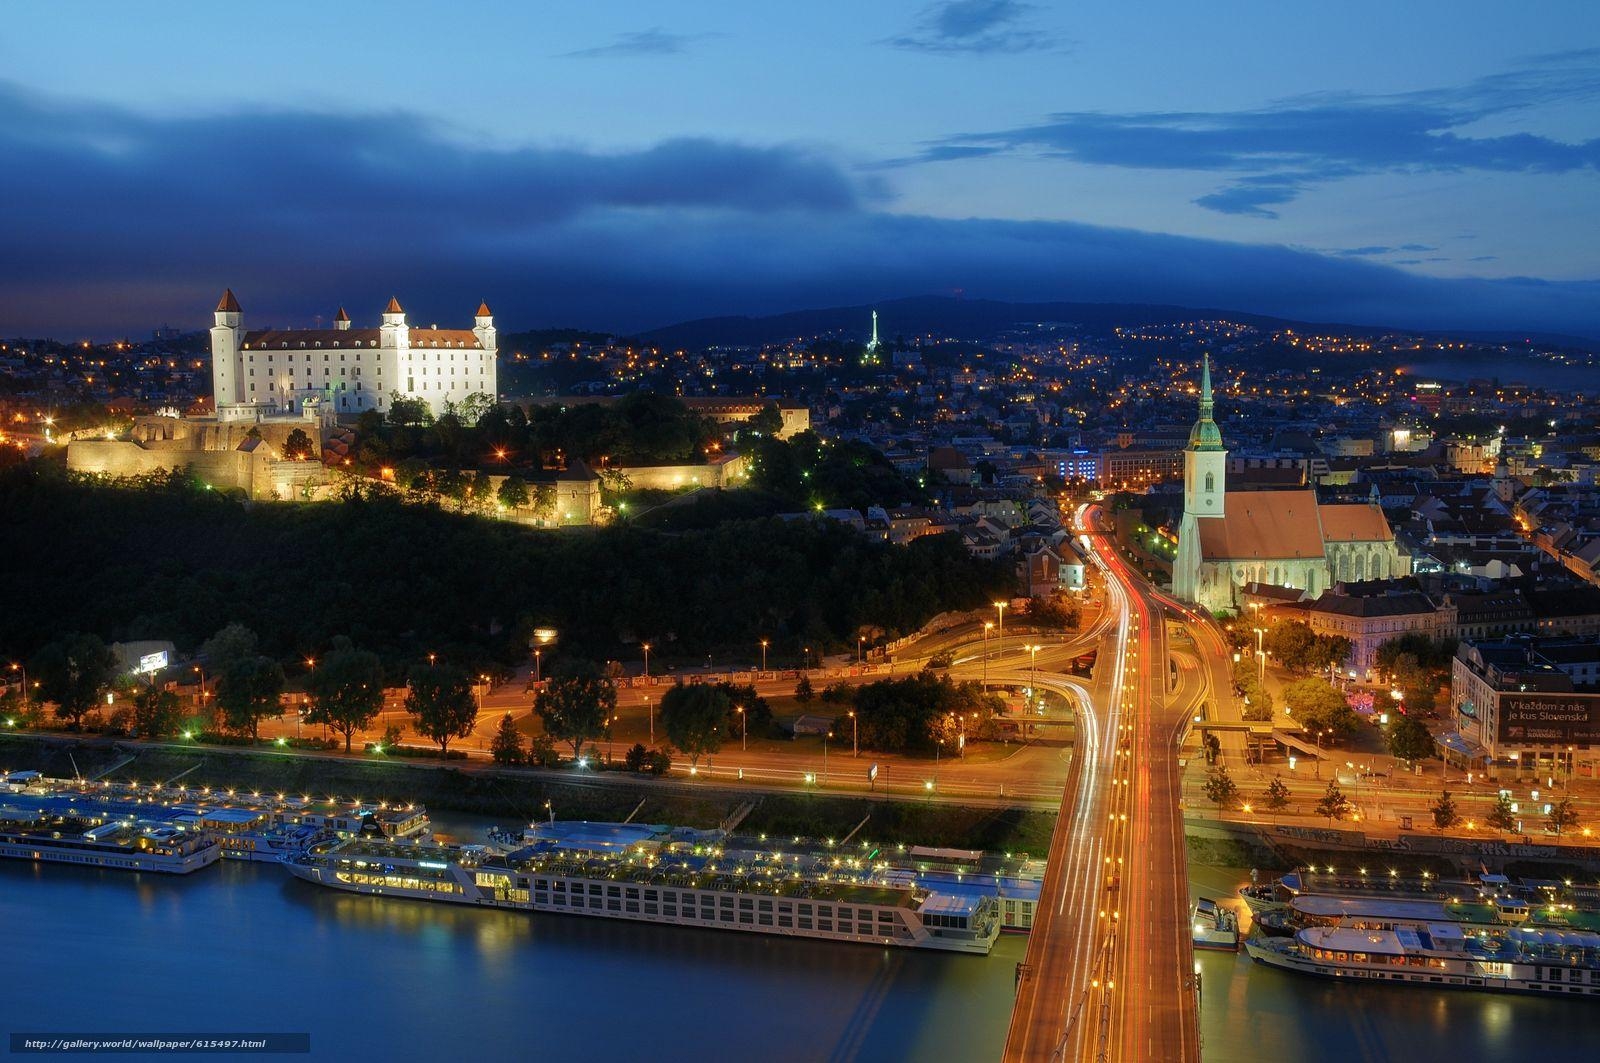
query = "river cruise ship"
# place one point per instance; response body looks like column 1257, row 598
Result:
column 1442, row 956
column 121, row 845
column 673, row 882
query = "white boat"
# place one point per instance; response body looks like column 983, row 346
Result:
column 121, row 845
column 1441, row 956
column 1214, row 927
column 667, row 885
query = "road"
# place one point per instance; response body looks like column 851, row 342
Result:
column 1109, row 968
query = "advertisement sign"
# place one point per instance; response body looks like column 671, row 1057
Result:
column 152, row 662
column 1554, row 717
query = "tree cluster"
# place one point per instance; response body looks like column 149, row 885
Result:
column 922, row 712
column 1294, row 645
column 169, row 559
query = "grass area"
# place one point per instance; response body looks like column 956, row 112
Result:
column 521, row 795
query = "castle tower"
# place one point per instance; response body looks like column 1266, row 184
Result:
column 872, row 344
column 1205, row 469
column 342, row 322
column 226, row 371
column 483, row 326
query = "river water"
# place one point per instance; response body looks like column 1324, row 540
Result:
column 243, row 948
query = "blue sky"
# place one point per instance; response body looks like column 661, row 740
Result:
column 627, row 164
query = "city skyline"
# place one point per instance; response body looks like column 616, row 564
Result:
column 1429, row 168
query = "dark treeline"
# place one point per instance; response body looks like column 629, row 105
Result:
column 170, row 560
column 642, row 428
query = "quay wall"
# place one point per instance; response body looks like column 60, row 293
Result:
column 1469, row 853
column 518, row 795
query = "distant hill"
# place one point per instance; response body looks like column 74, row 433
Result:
column 977, row 319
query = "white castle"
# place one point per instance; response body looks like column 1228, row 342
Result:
column 347, row 370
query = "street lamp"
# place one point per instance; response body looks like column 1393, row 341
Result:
column 744, row 730
column 763, row 655
column 1000, row 633
column 1261, row 653
column 536, row 652
column 432, row 657
column 1319, row 751
column 825, row 757
column 16, row 667
column 1033, row 664
column 988, row 625
column 855, row 735
column 650, row 711
column 861, row 649
column 646, row 648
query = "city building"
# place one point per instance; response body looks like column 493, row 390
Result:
column 1227, row 539
column 1528, row 703
column 346, row 370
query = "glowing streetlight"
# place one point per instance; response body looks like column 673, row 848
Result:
column 1000, row 632
column 763, row 655
column 646, row 648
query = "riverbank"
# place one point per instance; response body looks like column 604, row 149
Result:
column 520, row 795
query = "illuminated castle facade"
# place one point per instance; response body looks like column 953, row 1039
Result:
column 345, row 370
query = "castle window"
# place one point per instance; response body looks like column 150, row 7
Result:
column 1211, row 482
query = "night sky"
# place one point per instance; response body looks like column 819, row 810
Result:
column 623, row 165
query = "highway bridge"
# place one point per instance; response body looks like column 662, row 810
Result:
column 1109, row 972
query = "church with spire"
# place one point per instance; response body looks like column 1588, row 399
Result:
column 347, row 370
column 1284, row 538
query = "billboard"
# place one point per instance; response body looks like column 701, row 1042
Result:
column 1554, row 717
column 152, row 662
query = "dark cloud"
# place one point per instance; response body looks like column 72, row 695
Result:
column 1282, row 150
column 653, row 41
column 1380, row 249
column 957, row 27
column 115, row 222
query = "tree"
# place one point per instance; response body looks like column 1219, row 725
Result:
column 248, row 691
column 233, row 645
column 1221, row 788
column 346, row 690
column 156, row 712
column 1333, row 803
column 1294, row 645
column 634, row 759
column 1444, row 812
column 1315, row 705
column 481, row 495
column 576, row 703
column 803, row 693
column 840, row 693
column 403, row 410
column 1561, row 817
column 72, row 673
column 1502, row 817
column 1277, row 797
column 1409, row 739
column 694, row 717
column 507, row 746
column 441, row 701
column 767, row 420
column 513, row 493
column 298, row 446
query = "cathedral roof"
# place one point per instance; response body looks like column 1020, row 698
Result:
column 1357, row 523
column 1265, row 525
column 1280, row 525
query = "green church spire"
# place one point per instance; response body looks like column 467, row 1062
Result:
column 1205, row 434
